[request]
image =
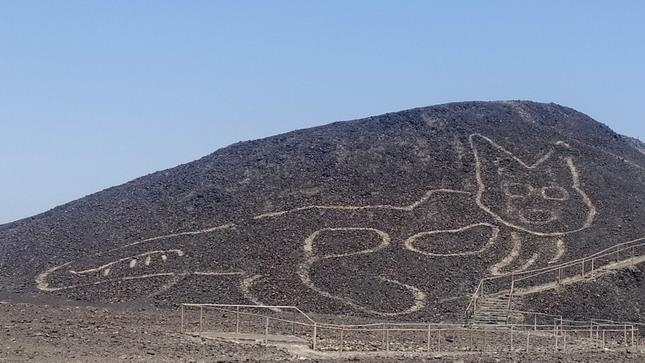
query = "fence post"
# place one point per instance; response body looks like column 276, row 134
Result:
column 534, row 321
column 564, row 340
column 555, row 333
column 510, row 300
column 583, row 267
column 428, row 338
column 314, row 337
column 603, row 338
column 625, row 336
column 633, row 342
column 182, row 318
column 201, row 318
column 237, row 320
column 387, row 340
column 341, row 340
column 266, row 331
column 485, row 342
column 593, row 262
column 439, row 339
column 528, row 334
column 511, row 338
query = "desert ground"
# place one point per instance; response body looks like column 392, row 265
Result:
column 57, row 330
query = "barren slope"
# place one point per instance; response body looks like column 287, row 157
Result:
column 397, row 215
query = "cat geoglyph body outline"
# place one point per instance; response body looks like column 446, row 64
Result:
column 309, row 256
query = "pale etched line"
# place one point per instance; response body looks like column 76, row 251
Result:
column 246, row 285
column 506, row 261
column 591, row 214
column 304, row 268
column 482, row 187
column 530, row 262
column 131, row 258
column 408, row 208
column 385, row 241
column 234, row 273
column 43, row 285
column 409, row 243
column 179, row 234
column 560, row 249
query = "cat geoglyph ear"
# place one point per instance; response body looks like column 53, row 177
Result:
column 486, row 150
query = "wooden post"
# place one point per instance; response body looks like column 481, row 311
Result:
column 182, row 318
column 429, row 338
column 237, row 320
column 555, row 334
column 633, row 342
column 511, row 337
column 439, row 340
column 266, row 330
column 593, row 261
column 603, row 338
column 528, row 334
column 485, row 342
column 387, row 340
column 583, row 267
column 564, row 340
column 625, row 336
column 534, row 321
column 315, row 334
column 341, row 340
column 510, row 300
column 201, row 318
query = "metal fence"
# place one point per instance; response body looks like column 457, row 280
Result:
column 275, row 323
column 627, row 253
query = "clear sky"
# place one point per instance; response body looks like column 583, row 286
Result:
column 96, row 93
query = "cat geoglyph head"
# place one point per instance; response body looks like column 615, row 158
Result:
column 544, row 198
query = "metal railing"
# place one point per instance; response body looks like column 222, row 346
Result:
column 571, row 271
column 238, row 321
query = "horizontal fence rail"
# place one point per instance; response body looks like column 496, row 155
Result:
column 289, row 324
column 525, row 282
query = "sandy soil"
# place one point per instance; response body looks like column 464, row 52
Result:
column 60, row 331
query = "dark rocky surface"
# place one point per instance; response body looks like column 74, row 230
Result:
column 617, row 296
column 416, row 241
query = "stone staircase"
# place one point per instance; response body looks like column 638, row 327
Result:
column 493, row 310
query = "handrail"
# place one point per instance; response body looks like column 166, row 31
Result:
column 602, row 253
column 473, row 300
column 253, row 306
column 541, row 271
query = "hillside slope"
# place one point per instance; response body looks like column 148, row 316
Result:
column 397, row 215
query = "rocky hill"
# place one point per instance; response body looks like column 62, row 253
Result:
column 395, row 216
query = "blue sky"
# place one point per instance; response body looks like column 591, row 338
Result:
column 95, row 93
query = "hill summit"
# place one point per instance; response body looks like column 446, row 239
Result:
column 398, row 215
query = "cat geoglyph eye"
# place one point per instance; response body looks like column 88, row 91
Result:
column 554, row 193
